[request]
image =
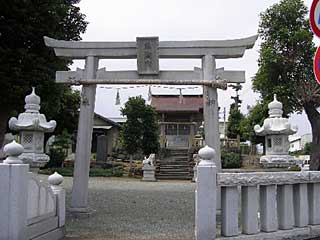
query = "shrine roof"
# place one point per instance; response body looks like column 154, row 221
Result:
column 173, row 103
column 106, row 121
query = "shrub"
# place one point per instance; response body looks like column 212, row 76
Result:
column 245, row 149
column 57, row 157
column 118, row 173
column 295, row 168
column 94, row 172
column 66, row 171
column 230, row 160
column 59, row 149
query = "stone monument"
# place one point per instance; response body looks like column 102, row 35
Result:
column 102, row 151
column 31, row 126
column 149, row 169
column 276, row 130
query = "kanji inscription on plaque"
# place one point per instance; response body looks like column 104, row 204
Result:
column 148, row 55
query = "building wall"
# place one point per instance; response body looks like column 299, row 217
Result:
column 113, row 136
column 295, row 145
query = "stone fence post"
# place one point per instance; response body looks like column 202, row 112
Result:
column 14, row 194
column 206, row 195
column 55, row 180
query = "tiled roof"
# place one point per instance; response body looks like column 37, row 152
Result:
column 169, row 103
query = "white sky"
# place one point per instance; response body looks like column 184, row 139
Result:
column 124, row 20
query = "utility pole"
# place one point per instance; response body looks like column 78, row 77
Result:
column 224, row 125
column 237, row 103
column 236, row 98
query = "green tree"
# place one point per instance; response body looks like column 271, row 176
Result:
column 140, row 131
column 67, row 117
column 285, row 65
column 307, row 149
column 24, row 59
column 234, row 119
column 132, row 130
column 256, row 115
column 150, row 136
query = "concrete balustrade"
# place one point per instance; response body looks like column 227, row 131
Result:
column 300, row 202
column 314, row 203
column 264, row 205
column 249, row 209
column 268, row 208
column 285, row 206
column 29, row 209
column 229, row 211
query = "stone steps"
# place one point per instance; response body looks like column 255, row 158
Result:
column 172, row 170
column 174, row 177
column 176, row 166
column 175, row 154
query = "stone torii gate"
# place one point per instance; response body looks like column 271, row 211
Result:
column 147, row 51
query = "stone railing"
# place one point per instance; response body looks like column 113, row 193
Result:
column 279, row 205
column 29, row 209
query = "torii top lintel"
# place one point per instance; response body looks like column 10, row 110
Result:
column 220, row 49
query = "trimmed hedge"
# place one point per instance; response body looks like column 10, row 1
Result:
column 230, row 160
column 94, row 172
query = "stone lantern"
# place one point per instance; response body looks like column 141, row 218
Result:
column 276, row 130
column 31, row 126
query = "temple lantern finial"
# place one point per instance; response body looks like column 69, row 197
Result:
column 275, row 108
column 32, row 102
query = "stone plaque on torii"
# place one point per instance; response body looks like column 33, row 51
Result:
column 147, row 51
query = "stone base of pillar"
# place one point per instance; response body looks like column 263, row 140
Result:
column 277, row 161
column 80, row 212
column 149, row 173
column 105, row 164
column 35, row 160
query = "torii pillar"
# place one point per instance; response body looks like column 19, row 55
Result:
column 79, row 199
column 211, row 108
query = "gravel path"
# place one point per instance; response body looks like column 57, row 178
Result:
column 128, row 209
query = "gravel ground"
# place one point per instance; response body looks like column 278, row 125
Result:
column 128, row 209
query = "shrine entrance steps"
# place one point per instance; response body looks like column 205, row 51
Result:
column 175, row 166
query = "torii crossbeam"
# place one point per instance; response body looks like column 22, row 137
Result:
column 147, row 51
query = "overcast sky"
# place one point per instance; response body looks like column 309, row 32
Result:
column 124, row 20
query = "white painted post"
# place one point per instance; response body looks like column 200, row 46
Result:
column 55, row 180
column 249, row 209
column 14, row 195
column 314, row 203
column 268, row 208
column 206, row 191
column 229, row 211
column 79, row 200
column 301, row 205
column 285, row 206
